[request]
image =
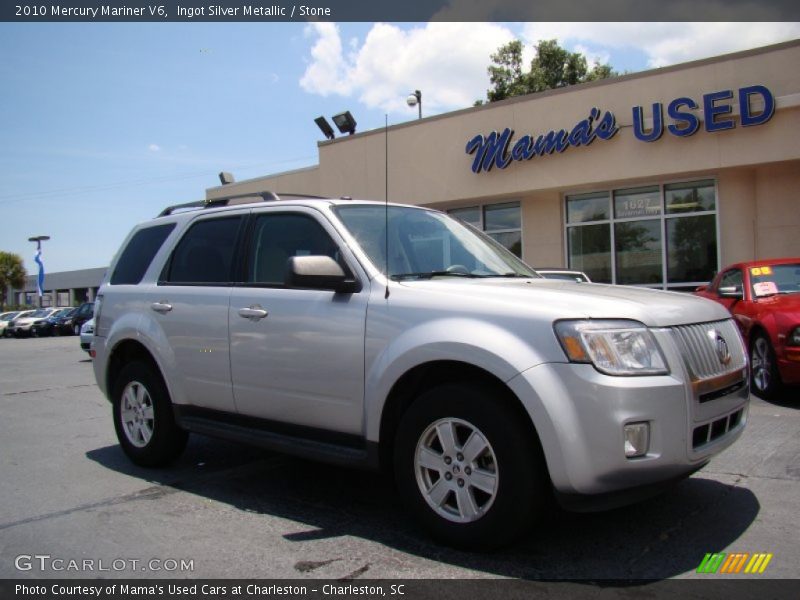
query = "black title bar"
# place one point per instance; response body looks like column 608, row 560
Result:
column 593, row 12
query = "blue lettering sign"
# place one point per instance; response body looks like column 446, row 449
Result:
column 638, row 124
column 711, row 111
column 493, row 150
column 690, row 122
column 748, row 118
column 490, row 150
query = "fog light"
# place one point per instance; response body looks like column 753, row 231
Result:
column 637, row 439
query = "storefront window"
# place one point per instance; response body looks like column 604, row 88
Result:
column 471, row 215
column 692, row 244
column 662, row 235
column 638, row 249
column 590, row 251
column 690, row 197
column 587, row 207
column 503, row 222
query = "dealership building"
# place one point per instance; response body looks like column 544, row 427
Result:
column 657, row 178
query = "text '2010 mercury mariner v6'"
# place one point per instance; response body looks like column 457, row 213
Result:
column 397, row 337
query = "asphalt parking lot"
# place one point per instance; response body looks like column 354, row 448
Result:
column 229, row 511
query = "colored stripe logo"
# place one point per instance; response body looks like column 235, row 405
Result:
column 735, row 563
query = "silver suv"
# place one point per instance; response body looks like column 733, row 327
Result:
column 394, row 336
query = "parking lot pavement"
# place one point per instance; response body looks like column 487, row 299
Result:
column 225, row 510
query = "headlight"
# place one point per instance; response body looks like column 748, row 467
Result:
column 613, row 347
column 794, row 337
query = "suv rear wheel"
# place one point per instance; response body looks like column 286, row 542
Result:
column 468, row 467
column 143, row 417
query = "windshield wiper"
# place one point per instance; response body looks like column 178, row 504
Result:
column 431, row 274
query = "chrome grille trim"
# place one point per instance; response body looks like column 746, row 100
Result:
column 699, row 350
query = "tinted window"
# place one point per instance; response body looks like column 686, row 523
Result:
column 138, row 254
column 278, row 237
column 205, row 253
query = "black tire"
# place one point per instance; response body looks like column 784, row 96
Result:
column 765, row 380
column 143, row 417
column 511, row 465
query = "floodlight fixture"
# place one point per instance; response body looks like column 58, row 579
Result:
column 226, row 178
column 345, row 122
column 325, row 127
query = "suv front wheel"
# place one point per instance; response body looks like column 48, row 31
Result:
column 469, row 467
column 143, row 417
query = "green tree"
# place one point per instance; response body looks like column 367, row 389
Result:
column 552, row 67
column 12, row 273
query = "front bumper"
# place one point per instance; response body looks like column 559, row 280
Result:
column 580, row 416
column 789, row 365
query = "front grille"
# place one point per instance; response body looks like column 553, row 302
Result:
column 705, row 434
column 700, row 347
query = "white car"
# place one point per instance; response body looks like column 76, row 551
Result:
column 5, row 319
column 87, row 333
column 20, row 326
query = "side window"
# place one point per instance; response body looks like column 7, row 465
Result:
column 732, row 278
column 278, row 237
column 136, row 258
column 204, row 255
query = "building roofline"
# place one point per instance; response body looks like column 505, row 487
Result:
column 537, row 95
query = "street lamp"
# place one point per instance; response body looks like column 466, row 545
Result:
column 415, row 99
column 38, row 258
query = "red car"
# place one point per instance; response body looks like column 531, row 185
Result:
column 764, row 298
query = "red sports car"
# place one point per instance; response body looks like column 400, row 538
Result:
column 764, row 298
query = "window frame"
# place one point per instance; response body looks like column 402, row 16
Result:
column 663, row 217
column 482, row 221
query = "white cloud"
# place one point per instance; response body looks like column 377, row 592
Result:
column 664, row 43
column 154, row 148
column 446, row 61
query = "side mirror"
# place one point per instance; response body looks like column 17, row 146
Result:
column 318, row 273
column 731, row 291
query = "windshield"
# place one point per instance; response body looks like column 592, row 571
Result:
column 768, row 280
column 43, row 312
column 424, row 244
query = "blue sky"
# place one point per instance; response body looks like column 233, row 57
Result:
column 103, row 125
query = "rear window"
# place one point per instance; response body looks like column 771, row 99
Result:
column 138, row 254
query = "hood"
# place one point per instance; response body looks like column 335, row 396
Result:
column 788, row 303
column 654, row 308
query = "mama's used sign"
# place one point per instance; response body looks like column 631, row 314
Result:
column 499, row 149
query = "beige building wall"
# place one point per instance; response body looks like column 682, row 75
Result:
column 757, row 168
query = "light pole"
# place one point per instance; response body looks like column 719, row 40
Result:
column 38, row 258
column 415, row 99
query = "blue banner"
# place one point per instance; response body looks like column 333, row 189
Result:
column 40, row 281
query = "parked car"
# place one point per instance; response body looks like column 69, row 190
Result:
column 5, row 319
column 566, row 274
column 84, row 313
column 764, row 298
column 485, row 389
column 52, row 324
column 87, row 332
column 21, row 325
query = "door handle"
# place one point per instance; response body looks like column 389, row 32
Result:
column 254, row 313
column 161, row 307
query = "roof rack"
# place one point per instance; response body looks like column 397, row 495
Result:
column 233, row 200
